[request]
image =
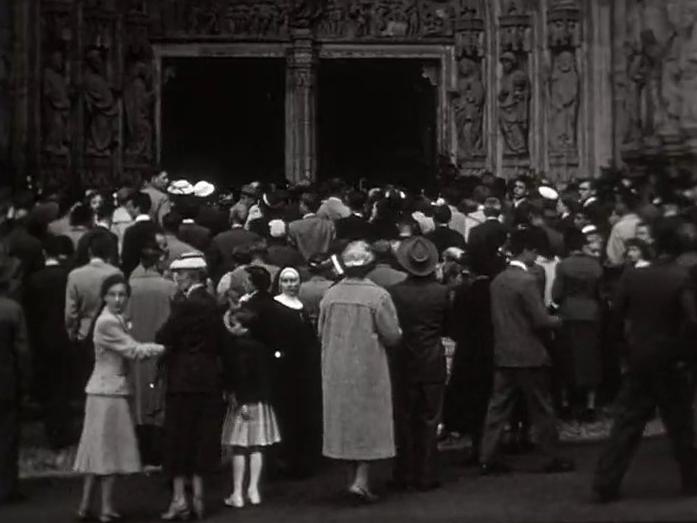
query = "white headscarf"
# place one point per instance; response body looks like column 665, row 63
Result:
column 292, row 302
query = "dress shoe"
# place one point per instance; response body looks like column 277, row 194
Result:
column 234, row 501
column 363, row 495
column 85, row 515
column 177, row 512
column 493, row 469
column 110, row 517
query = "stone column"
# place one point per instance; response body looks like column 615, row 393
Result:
column 301, row 108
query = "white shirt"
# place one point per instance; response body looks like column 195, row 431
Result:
column 519, row 264
column 143, row 218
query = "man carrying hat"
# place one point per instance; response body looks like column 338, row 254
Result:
column 418, row 367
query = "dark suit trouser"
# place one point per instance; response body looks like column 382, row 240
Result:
column 9, row 448
column 418, row 411
column 670, row 391
column 533, row 383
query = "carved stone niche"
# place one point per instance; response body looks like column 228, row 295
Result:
column 469, row 99
column 57, row 94
column 564, row 89
column 515, row 93
column 138, row 95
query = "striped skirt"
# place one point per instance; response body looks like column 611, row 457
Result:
column 259, row 429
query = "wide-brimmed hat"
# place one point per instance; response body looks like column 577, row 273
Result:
column 189, row 261
column 203, row 189
column 180, row 188
column 418, row 256
column 357, row 254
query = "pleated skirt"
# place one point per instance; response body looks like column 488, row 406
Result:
column 260, row 429
column 108, row 442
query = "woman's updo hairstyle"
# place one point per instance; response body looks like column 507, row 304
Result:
column 110, row 281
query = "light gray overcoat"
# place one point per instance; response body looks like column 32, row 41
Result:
column 357, row 321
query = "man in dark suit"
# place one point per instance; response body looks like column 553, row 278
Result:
column 487, row 238
column 14, row 352
column 21, row 243
column 591, row 205
column 443, row 237
column 355, row 227
column 657, row 305
column 519, row 212
column 191, row 232
column 102, row 226
column 139, row 234
column 520, row 358
column 51, row 348
column 418, row 367
column 311, row 234
column 219, row 256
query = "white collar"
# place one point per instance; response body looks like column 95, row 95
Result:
column 50, row 262
column 336, row 199
column 492, row 218
column 360, row 215
column 519, row 264
column 309, row 215
column 95, row 260
column 641, row 264
column 237, row 226
column 517, row 202
column 193, row 288
column 289, row 301
column 143, row 218
column 102, row 224
column 589, row 200
column 187, row 220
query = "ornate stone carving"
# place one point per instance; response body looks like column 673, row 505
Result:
column 514, row 107
column 305, row 13
column 138, row 98
column 563, row 100
column 101, row 106
column 56, row 106
column 469, row 109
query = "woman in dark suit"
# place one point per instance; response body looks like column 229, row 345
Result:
column 192, row 337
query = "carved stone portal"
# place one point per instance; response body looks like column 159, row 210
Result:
column 514, row 107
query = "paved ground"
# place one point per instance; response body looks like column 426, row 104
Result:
column 650, row 495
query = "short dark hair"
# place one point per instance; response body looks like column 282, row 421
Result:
column 241, row 254
column 142, row 201
column 311, row 201
column 442, row 214
column 104, row 211
column 110, row 281
column 521, row 240
column 259, row 277
column 101, row 246
column 81, row 214
column 574, row 240
column 57, row 246
column 150, row 253
column 356, row 200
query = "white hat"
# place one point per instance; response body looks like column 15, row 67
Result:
column 277, row 228
column 203, row 189
column 188, row 260
column 180, row 188
column 589, row 229
column 548, row 193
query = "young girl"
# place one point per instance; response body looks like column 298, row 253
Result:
column 250, row 423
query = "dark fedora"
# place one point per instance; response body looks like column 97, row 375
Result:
column 418, row 256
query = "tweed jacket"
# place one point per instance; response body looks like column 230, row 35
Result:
column 113, row 346
column 311, row 235
column 82, row 300
column 518, row 313
column 576, row 288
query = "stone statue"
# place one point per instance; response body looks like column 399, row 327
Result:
column 138, row 97
column 564, row 99
column 306, row 12
column 514, row 106
column 102, row 109
column 469, row 109
column 56, row 107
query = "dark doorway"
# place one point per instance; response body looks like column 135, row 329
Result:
column 223, row 119
column 377, row 120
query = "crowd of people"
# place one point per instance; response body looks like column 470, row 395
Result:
column 189, row 329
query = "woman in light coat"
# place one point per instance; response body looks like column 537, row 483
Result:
column 108, row 444
column 357, row 322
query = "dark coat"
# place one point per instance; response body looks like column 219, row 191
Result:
column 282, row 255
column 486, row 239
column 443, row 237
column 219, row 253
column 195, row 235
column 518, row 314
column 354, row 228
column 82, row 255
column 576, row 288
column 134, row 239
column 657, row 304
column 26, row 248
column 14, row 348
column 192, row 336
column 247, row 368
column 422, row 307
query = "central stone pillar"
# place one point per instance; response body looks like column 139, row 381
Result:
column 301, row 108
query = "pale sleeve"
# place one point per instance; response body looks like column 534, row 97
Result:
column 387, row 322
column 110, row 334
column 72, row 304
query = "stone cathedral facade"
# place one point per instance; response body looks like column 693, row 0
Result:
column 564, row 87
